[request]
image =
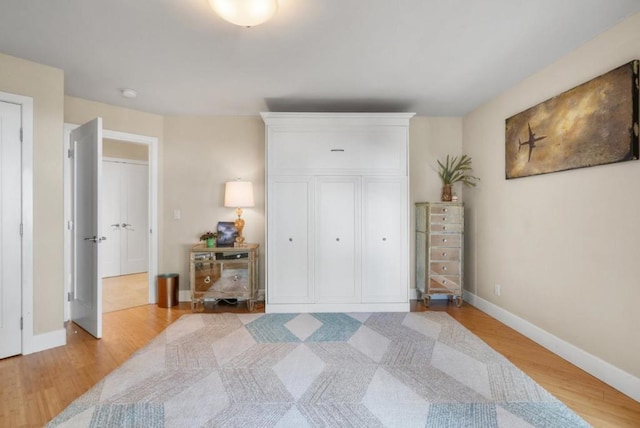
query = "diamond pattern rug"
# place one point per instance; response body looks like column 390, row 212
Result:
column 418, row 369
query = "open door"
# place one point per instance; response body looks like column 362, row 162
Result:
column 86, row 296
column 10, row 230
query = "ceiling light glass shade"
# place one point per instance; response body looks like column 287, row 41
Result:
column 246, row 13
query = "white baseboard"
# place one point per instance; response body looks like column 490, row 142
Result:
column 294, row 308
column 184, row 295
column 606, row 372
column 44, row 341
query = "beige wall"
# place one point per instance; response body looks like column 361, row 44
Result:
column 430, row 139
column 123, row 150
column 201, row 154
column 565, row 247
column 79, row 111
column 46, row 86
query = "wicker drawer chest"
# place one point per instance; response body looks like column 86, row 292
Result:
column 439, row 249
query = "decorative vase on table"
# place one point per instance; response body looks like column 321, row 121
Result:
column 211, row 242
column 447, row 194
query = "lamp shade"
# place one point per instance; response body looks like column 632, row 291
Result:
column 246, row 13
column 238, row 194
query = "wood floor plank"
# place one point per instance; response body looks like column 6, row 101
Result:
column 35, row 388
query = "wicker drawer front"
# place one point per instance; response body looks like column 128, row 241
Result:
column 206, row 275
column 441, row 209
column 452, row 240
column 445, row 268
column 445, row 218
column 445, row 284
column 446, row 227
column 445, row 254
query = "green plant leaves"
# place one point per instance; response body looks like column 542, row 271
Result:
column 457, row 169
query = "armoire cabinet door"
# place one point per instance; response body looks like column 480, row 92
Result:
column 337, row 234
column 384, row 273
column 290, row 264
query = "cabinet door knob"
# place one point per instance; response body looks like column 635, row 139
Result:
column 444, row 268
column 207, row 280
column 444, row 219
column 444, row 227
column 384, row 239
column 444, row 254
column 446, row 210
column 337, row 239
column 444, row 240
column 290, row 239
column 444, row 282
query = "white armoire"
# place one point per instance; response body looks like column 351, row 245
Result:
column 337, row 212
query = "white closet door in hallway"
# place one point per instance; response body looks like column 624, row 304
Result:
column 10, row 230
column 125, row 217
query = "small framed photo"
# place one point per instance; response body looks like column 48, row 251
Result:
column 227, row 234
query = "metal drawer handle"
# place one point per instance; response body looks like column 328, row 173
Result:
column 444, row 268
column 444, row 254
column 444, row 227
column 337, row 150
column 207, row 280
column 444, row 282
column 444, row 219
column 446, row 210
column 444, row 240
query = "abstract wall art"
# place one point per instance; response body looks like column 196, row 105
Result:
column 595, row 123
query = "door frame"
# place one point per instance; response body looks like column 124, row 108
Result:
column 26, row 107
column 152, row 145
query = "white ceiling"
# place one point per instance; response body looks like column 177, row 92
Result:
column 433, row 57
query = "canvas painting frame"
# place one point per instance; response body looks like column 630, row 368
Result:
column 595, row 123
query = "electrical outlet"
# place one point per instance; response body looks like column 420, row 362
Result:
column 177, row 214
column 496, row 289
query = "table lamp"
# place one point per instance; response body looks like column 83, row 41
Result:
column 238, row 194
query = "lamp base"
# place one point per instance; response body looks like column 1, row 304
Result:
column 239, row 225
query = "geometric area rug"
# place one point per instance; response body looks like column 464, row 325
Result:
column 416, row 369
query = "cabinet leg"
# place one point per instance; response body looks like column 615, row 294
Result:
column 427, row 300
column 458, row 301
column 251, row 305
column 197, row 305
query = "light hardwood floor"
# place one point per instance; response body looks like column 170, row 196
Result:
column 34, row 388
column 123, row 292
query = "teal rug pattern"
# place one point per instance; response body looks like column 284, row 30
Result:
column 418, row 369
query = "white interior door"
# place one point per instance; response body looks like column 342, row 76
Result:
column 111, row 219
column 134, row 242
column 10, row 230
column 384, row 276
column 338, row 231
column 290, row 267
column 125, row 219
column 86, row 301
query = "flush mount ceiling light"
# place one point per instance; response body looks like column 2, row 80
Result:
column 129, row 93
column 245, row 13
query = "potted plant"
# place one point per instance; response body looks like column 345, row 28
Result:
column 455, row 170
column 210, row 238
